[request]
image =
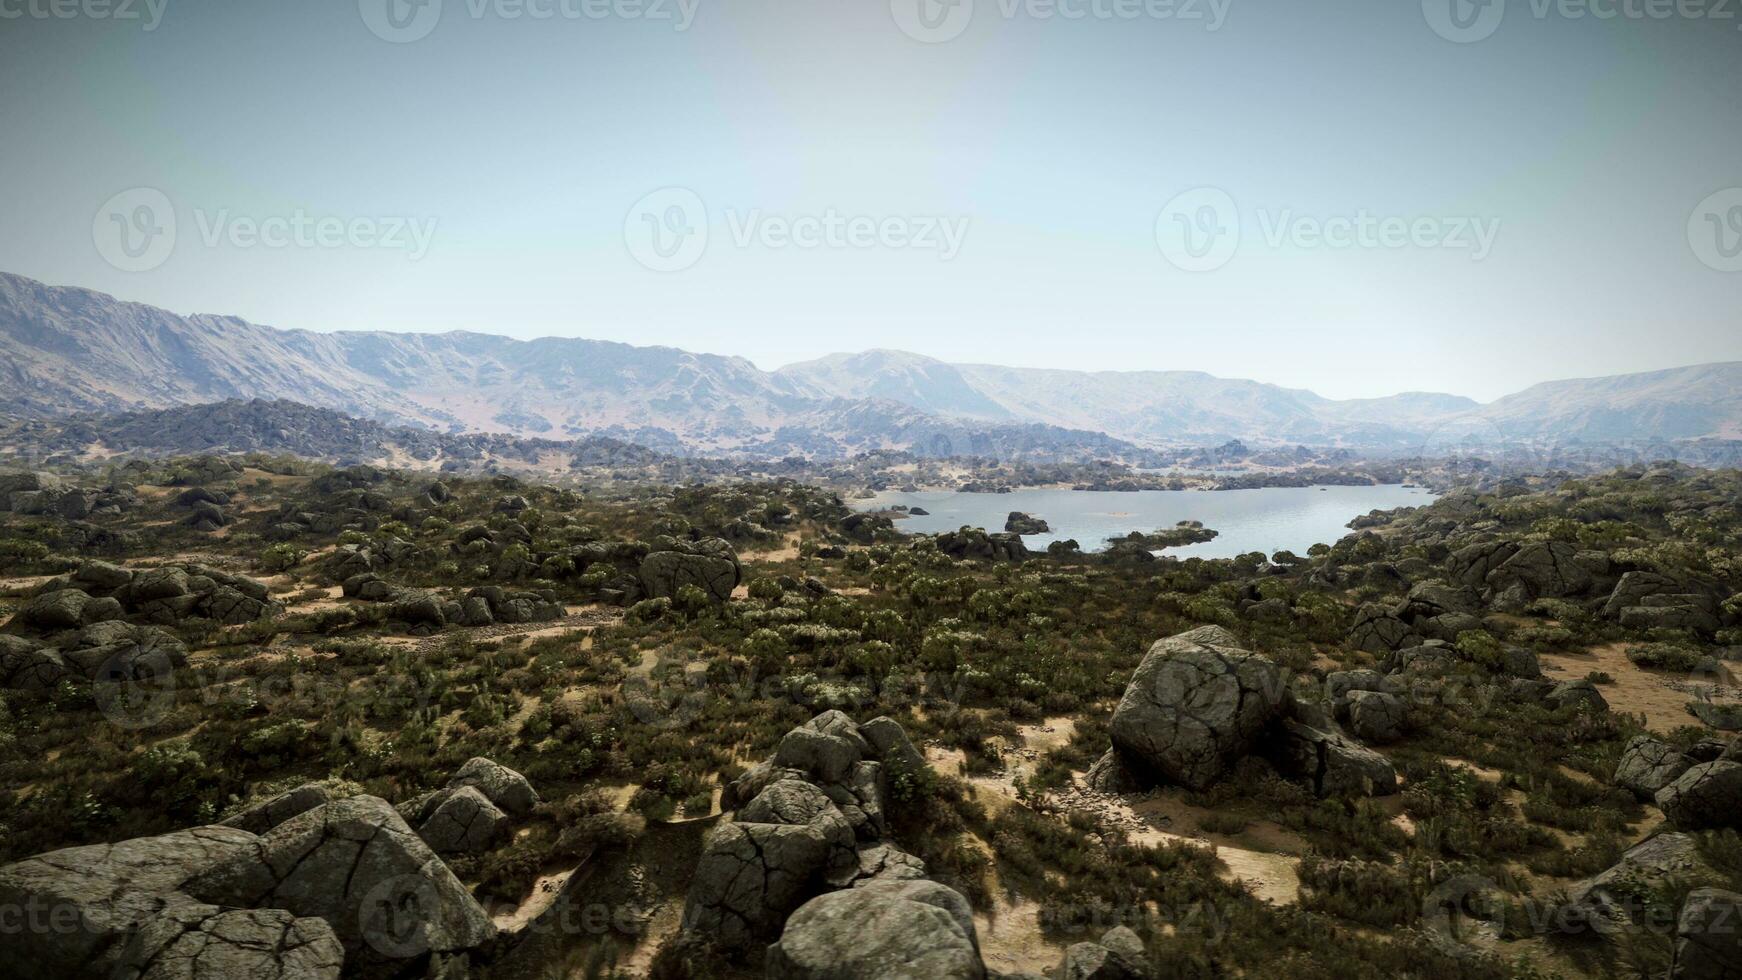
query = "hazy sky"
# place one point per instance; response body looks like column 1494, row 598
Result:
column 990, row 181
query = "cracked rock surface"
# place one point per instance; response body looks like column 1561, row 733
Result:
column 357, row 865
column 1706, row 796
column 1648, row 765
column 1196, row 704
column 882, row 930
column 200, row 942
column 100, row 892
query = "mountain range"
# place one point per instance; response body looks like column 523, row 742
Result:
column 68, row 350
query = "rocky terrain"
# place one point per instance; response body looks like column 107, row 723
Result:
column 269, row 717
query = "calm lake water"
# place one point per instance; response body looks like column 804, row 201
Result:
column 1268, row 520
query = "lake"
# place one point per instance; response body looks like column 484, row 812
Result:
column 1269, row 519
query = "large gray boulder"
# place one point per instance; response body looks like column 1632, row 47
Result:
column 1379, row 631
column 711, row 567
column 354, row 862
column 503, row 786
column 89, row 901
column 1196, row 703
column 752, row 875
column 1539, row 569
column 1708, row 936
column 1376, row 717
column 465, row 822
column 26, row 665
column 1331, row 764
column 1608, row 902
column 200, row 942
column 1704, row 797
column 884, row 930
column 1648, row 765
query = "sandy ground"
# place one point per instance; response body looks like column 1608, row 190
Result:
column 1661, row 696
column 786, row 551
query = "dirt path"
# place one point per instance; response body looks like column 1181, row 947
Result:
column 1264, row 855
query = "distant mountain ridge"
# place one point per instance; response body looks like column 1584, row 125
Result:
column 68, row 350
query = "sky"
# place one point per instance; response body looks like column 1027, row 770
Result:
column 1357, row 197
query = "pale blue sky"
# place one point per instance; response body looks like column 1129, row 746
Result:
column 1586, row 144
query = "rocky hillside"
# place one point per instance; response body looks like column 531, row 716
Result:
column 1174, row 407
column 65, row 350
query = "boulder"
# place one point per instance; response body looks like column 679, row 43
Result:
column 751, row 876
column 62, row 609
column 1725, row 716
column 663, row 573
column 1708, row 936
column 115, row 651
column 891, row 745
column 1020, row 523
column 27, row 666
column 1094, row 961
column 886, row 862
column 101, row 576
column 1608, row 901
column 1581, row 694
column 1340, row 683
column 201, row 942
column 100, row 894
column 1331, row 764
column 465, row 822
column 354, row 863
column 1648, row 765
column 883, row 930
column 1704, row 797
column 1376, row 717
column 267, row 814
column 1196, row 703
column 1378, row 631
column 503, row 786
column 1540, row 569
column 828, row 758
column 1471, row 565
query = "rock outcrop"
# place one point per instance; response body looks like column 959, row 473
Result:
column 1195, row 704
column 809, row 820
column 1704, row 797
column 1648, row 765
column 355, row 864
column 887, row 929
